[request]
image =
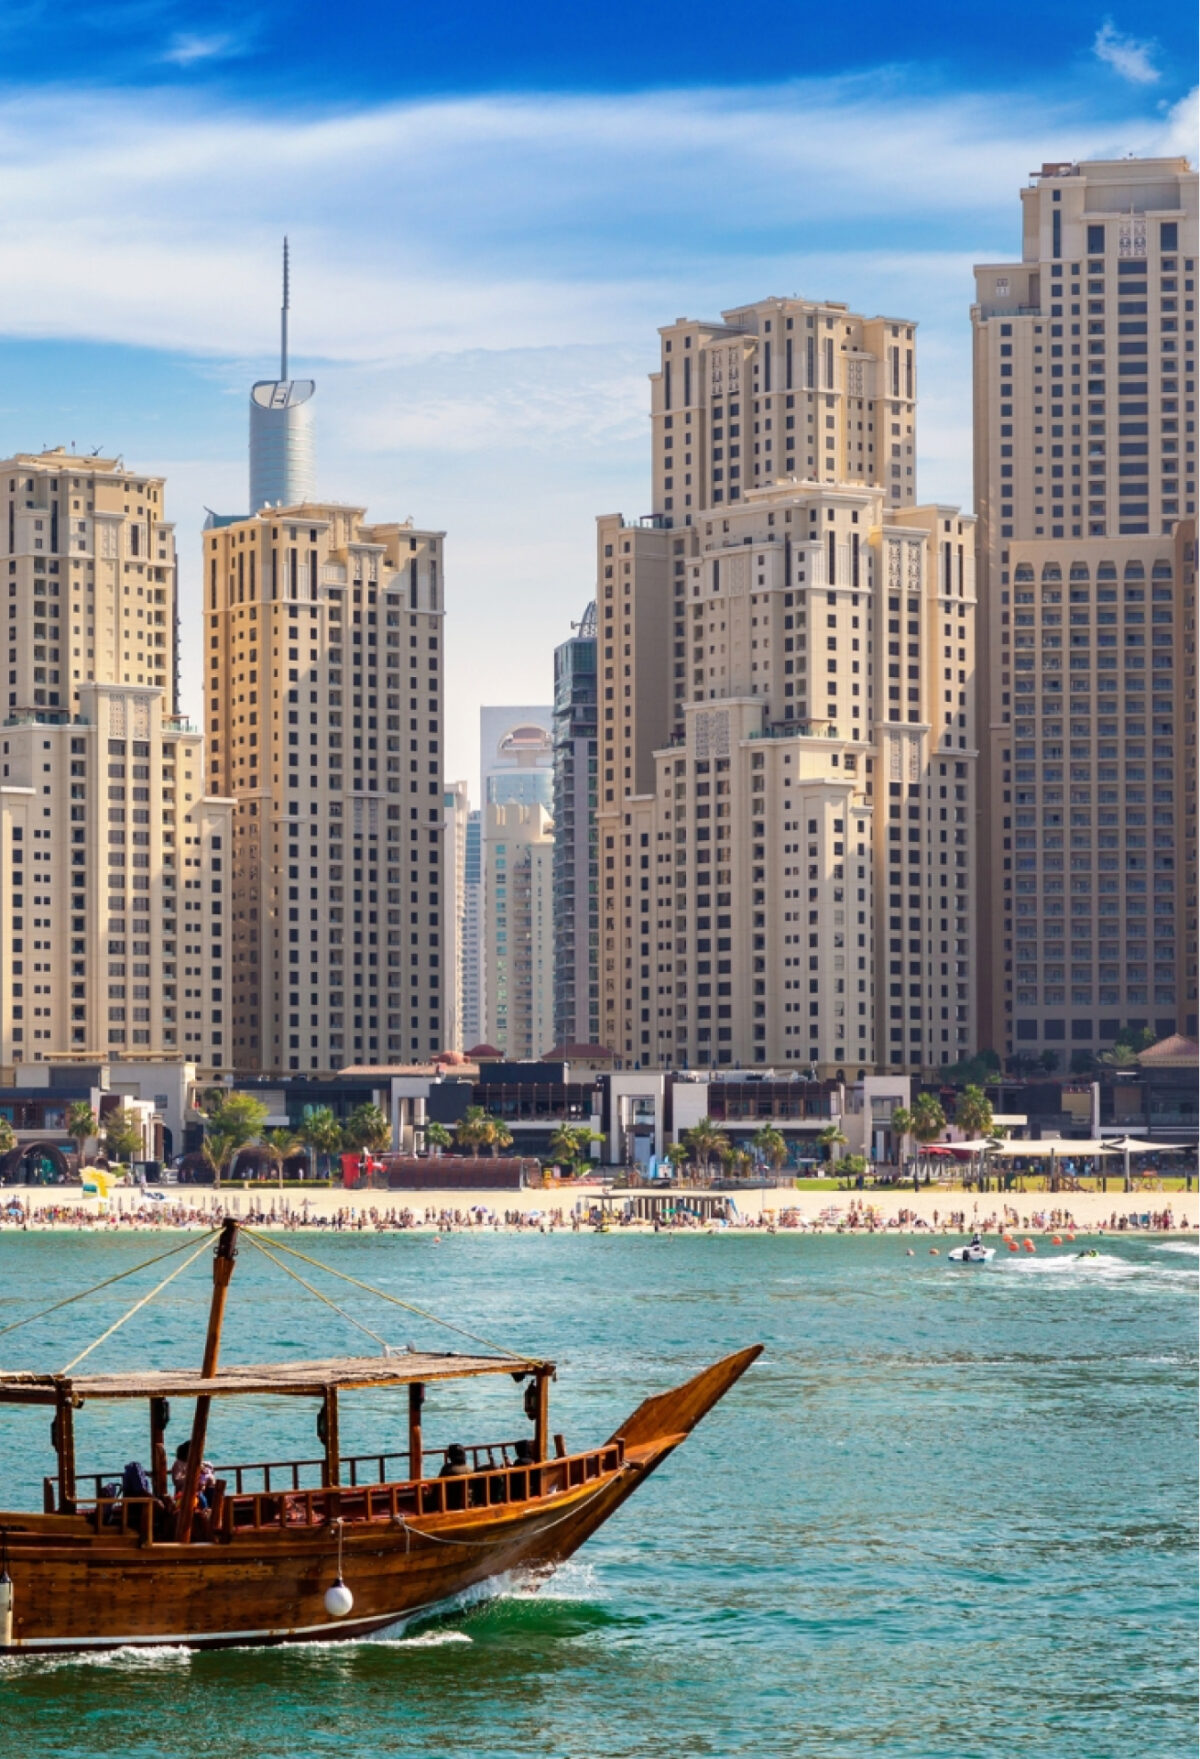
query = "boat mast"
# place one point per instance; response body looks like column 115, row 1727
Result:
column 223, row 1261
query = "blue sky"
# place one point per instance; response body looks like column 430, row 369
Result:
column 491, row 212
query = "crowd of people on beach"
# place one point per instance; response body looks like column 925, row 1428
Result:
column 859, row 1216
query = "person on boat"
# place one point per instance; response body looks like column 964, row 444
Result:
column 976, row 1240
column 523, row 1454
column 204, row 1482
column 456, row 1462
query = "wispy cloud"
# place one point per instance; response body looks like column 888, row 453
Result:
column 187, row 49
column 477, row 284
column 1126, row 56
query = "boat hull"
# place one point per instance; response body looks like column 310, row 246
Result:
column 76, row 1590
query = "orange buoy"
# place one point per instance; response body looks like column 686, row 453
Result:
column 934, row 1253
column 1070, row 1239
column 1056, row 1239
column 1029, row 1246
column 1012, row 1245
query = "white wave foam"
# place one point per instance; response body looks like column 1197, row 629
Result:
column 1184, row 1246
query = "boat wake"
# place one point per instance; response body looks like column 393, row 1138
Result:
column 1183, row 1247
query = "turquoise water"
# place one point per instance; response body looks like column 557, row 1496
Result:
column 947, row 1513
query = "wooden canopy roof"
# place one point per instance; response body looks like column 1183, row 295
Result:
column 295, row 1379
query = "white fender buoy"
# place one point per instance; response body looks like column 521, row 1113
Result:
column 6, row 1611
column 338, row 1600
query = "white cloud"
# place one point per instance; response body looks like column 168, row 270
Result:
column 477, row 285
column 186, row 49
column 1125, row 55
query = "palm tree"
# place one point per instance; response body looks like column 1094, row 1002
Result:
column 677, row 1154
column 771, row 1145
column 973, row 1112
column 473, row 1130
column 499, row 1136
column 830, row 1138
column 902, row 1123
column 82, row 1126
column 928, row 1118
column 704, row 1142
column 281, row 1145
column 321, row 1134
column 437, row 1138
column 368, row 1127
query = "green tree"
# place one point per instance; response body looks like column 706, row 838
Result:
column 232, row 1121
column 771, row 1145
column 499, row 1136
column 973, row 1112
column 831, row 1138
column 852, row 1166
column 368, row 1127
column 123, row 1135
column 1048, row 1062
column 321, row 1134
column 82, row 1126
column 281, row 1145
column 704, row 1143
column 677, row 1154
column 928, row 1118
column 437, row 1138
column 8, row 1137
column 473, row 1132
column 571, row 1144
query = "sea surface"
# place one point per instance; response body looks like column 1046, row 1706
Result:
column 948, row 1513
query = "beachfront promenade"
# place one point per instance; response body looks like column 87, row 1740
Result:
column 934, row 1209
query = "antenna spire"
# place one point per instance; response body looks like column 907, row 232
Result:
column 283, row 317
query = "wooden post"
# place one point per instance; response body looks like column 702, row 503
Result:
column 64, row 1429
column 416, row 1398
column 223, row 1262
column 159, row 1415
column 333, row 1447
column 541, row 1426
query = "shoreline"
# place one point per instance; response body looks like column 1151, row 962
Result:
column 934, row 1211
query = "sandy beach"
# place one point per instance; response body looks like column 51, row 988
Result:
column 938, row 1209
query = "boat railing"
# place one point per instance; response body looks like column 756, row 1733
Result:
column 399, row 1500
column 495, row 1479
column 356, row 1469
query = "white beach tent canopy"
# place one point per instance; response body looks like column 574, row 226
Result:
column 1058, row 1147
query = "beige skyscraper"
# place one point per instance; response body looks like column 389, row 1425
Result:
column 787, row 738
column 114, row 861
column 456, row 806
column 518, row 850
column 1085, row 464
column 323, row 686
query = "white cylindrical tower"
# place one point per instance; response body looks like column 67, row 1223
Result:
column 283, row 464
column 282, row 442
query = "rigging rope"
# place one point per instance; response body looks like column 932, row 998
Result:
column 382, row 1294
column 116, row 1326
column 96, row 1287
column 288, row 1271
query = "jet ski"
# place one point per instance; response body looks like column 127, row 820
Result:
column 975, row 1253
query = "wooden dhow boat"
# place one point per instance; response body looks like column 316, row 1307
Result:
column 248, row 1554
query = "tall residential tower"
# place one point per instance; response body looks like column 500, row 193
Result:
column 787, row 736
column 323, row 688
column 576, row 891
column 1085, row 464
column 114, row 862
